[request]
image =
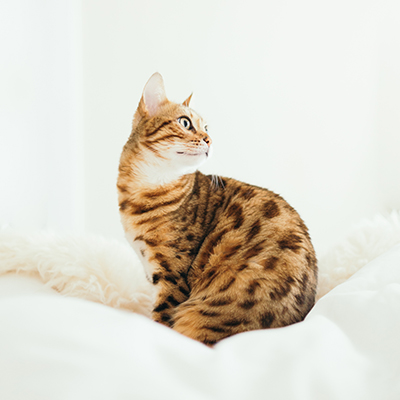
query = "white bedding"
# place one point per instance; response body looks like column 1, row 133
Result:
column 55, row 347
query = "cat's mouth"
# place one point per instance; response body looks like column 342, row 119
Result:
column 185, row 153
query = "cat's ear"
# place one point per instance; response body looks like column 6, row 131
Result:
column 187, row 101
column 153, row 95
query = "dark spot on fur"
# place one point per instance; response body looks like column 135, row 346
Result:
column 210, row 274
column 139, row 209
column 159, row 256
column 209, row 278
column 216, row 329
column 227, row 284
column 166, row 318
column 189, row 237
column 207, row 313
column 233, row 210
column 304, row 281
column 300, row 299
column 242, row 267
column 252, row 287
column 216, row 240
column 248, row 304
column 230, row 251
column 220, row 302
column 209, row 342
column 174, row 244
column 280, row 292
column 311, row 261
column 254, row 231
column 152, row 219
column 267, row 319
column 183, row 274
column 271, row 209
column 234, row 322
column 165, row 265
column 178, row 256
column 156, row 278
column 183, row 291
column 271, row 262
column 142, row 252
column 122, row 188
column 291, row 242
column 171, row 279
column 193, row 251
column 238, row 221
column 289, row 280
column 161, row 307
column 255, row 250
column 236, row 191
column 124, row 205
column 151, row 242
column 247, row 193
column 171, row 300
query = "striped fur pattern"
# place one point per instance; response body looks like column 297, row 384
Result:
column 224, row 256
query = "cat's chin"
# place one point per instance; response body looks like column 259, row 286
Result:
column 193, row 155
column 190, row 159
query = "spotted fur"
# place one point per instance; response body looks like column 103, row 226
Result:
column 224, row 256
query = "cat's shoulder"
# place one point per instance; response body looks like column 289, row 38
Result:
column 238, row 190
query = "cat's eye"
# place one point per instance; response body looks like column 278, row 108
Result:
column 206, row 128
column 185, row 122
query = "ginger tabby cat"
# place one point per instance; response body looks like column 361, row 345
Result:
column 224, row 257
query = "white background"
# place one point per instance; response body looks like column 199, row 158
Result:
column 301, row 97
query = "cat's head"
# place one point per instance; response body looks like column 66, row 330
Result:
column 169, row 139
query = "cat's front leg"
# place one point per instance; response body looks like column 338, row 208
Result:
column 171, row 290
column 166, row 272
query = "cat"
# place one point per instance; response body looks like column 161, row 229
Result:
column 223, row 256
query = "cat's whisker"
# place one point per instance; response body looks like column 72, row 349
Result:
column 214, row 184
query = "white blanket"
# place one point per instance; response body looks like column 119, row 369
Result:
column 55, row 347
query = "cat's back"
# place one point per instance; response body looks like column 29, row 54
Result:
column 258, row 213
column 257, row 252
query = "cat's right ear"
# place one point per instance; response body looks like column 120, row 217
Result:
column 153, row 96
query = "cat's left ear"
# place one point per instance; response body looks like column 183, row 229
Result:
column 187, row 101
column 153, row 95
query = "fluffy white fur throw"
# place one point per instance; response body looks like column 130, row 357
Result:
column 89, row 267
column 109, row 272
column 368, row 240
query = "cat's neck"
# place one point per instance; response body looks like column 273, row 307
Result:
column 151, row 175
column 136, row 180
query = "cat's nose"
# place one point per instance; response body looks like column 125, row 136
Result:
column 207, row 139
